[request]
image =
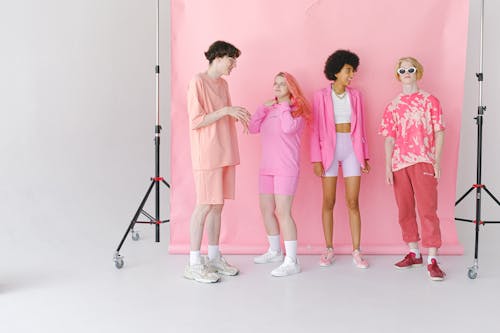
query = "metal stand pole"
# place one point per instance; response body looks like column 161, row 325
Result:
column 472, row 271
column 155, row 182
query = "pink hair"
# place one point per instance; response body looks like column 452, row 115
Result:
column 300, row 105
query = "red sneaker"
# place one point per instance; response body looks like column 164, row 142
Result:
column 435, row 273
column 409, row 261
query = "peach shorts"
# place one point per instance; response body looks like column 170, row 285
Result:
column 214, row 185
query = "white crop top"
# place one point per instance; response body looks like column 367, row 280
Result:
column 342, row 108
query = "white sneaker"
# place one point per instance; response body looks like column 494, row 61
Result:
column 288, row 267
column 200, row 273
column 221, row 266
column 269, row 256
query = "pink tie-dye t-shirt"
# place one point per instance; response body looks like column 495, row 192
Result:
column 412, row 120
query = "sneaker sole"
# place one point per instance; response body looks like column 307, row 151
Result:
column 282, row 275
column 327, row 265
column 361, row 266
column 408, row 267
column 269, row 261
column 192, row 278
column 435, row 278
column 227, row 273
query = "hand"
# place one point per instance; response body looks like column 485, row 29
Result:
column 437, row 170
column 318, row 169
column 389, row 177
column 239, row 113
column 367, row 167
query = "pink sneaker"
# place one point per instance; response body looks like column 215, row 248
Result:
column 358, row 260
column 327, row 258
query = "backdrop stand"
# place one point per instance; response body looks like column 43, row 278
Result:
column 472, row 271
column 157, row 179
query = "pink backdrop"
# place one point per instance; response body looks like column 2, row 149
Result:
column 297, row 36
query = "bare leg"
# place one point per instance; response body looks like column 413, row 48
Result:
column 329, row 190
column 196, row 225
column 267, row 207
column 284, row 213
column 352, row 185
column 213, row 224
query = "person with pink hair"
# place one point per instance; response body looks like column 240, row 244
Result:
column 280, row 122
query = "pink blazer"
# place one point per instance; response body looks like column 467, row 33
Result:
column 323, row 135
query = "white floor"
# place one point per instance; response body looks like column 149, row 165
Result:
column 68, row 283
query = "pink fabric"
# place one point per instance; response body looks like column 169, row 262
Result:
column 323, row 134
column 412, row 120
column 435, row 32
column 284, row 185
column 215, row 145
column 344, row 155
column 417, row 183
column 280, row 139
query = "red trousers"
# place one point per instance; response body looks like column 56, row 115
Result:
column 417, row 183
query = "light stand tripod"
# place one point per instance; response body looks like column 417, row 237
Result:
column 472, row 271
column 155, row 182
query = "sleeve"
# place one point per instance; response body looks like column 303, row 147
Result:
column 436, row 115
column 364, row 140
column 388, row 125
column 257, row 119
column 315, row 139
column 195, row 103
column 290, row 124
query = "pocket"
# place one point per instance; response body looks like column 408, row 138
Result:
column 428, row 170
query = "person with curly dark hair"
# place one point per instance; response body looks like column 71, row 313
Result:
column 214, row 154
column 338, row 139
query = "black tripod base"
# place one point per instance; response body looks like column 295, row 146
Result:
column 472, row 271
column 155, row 183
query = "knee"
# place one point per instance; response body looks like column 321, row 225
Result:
column 216, row 209
column 328, row 203
column 283, row 214
column 352, row 204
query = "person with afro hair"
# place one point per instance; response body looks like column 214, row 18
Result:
column 338, row 140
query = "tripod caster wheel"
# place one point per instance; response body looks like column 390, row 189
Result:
column 472, row 273
column 119, row 263
column 135, row 236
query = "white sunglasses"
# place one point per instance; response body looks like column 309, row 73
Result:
column 410, row 70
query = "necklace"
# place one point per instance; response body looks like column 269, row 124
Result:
column 340, row 96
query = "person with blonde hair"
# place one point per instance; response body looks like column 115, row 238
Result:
column 280, row 122
column 413, row 128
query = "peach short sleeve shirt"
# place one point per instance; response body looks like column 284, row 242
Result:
column 215, row 145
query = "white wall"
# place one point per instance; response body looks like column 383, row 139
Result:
column 77, row 119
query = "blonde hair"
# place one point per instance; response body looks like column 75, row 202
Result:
column 414, row 62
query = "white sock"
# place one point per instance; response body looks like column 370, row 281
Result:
column 429, row 259
column 194, row 258
column 274, row 242
column 213, row 252
column 291, row 249
column 416, row 251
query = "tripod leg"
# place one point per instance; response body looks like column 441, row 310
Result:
column 157, row 209
column 463, row 196
column 491, row 195
column 134, row 220
column 164, row 182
